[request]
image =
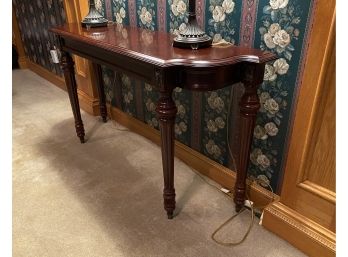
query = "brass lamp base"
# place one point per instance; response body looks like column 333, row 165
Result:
column 192, row 37
column 94, row 18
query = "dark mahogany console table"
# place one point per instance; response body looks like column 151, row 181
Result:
column 150, row 57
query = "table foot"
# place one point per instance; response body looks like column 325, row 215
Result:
column 170, row 215
column 239, row 198
column 80, row 130
column 169, row 202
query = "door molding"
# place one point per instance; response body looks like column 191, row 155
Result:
column 305, row 212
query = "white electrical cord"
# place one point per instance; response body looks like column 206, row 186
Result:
column 250, row 202
column 252, row 208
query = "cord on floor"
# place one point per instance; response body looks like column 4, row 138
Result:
column 228, row 194
column 252, row 207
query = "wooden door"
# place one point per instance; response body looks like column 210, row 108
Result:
column 305, row 214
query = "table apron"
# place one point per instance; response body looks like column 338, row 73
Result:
column 130, row 66
column 208, row 79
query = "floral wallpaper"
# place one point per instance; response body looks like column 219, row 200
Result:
column 203, row 119
column 178, row 16
column 280, row 26
column 281, row 29
column 34, row 20
column 223, row 20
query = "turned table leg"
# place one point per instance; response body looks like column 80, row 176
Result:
column 249, row 106
column 67, row 64
column 100, row 89
column 166, row 111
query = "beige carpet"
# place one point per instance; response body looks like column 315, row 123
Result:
column 104, row 198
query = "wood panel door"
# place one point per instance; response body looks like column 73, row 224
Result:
column 311, row 190
column 306, row 212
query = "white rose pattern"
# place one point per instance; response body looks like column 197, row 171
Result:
column 279, row 33
column 228, row 6
column 263, row 161
column 271, row 129
column 180, row 128
column 213, row 149
column 181, row 109
column 219, row 14
column 119, row 19
column 182, row 27
column 260, row 132
column 276, row 37
column 278, row 4
column 215, row 102
column 119, row 11
column 274, row 28
column 271, row 106
column 150, row 105
column 281, row 38
column 217, row 38
column 99, row 6
column 281, row 66
column 178, row 7
column 221, row 28
column 127, row 93
column 148, row 87
column 178, row 16
column 215, row 125
column 264, row 96
column 270, row 73
column 146, row 14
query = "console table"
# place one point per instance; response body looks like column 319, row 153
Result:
column 150, row 57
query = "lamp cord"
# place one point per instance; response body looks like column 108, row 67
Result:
column 258, row 181
column 252, row 208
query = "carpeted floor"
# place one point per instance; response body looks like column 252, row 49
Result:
column 104, row 198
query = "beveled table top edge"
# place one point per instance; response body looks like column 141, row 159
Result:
column 262, row 57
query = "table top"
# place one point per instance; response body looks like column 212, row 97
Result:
column 156, row 47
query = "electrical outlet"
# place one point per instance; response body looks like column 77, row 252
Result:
column 54, row 55
column 248, row 203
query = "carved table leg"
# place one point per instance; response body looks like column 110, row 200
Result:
column 101, row 93
column 166, row 111
column 67, row 64
column 249, row 106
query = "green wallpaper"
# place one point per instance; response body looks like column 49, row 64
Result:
column 279, row 26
